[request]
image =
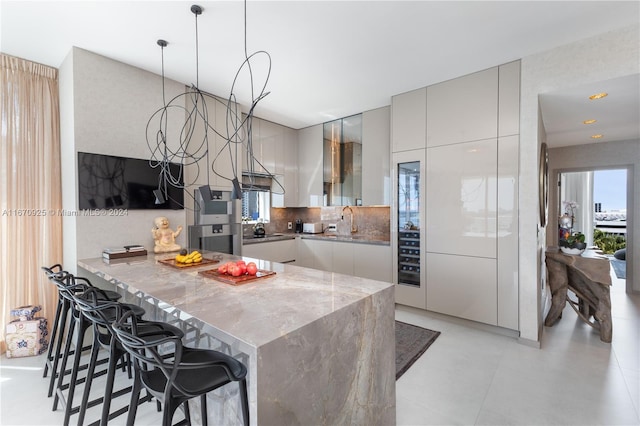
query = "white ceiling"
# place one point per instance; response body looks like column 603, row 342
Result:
column 617, row 114
column 330, row 59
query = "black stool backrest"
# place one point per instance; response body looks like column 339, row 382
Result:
column 159, row 349
column 55, row 272
column 96, row 307
column 69, row 286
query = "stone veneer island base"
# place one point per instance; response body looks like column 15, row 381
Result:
column 319, row 346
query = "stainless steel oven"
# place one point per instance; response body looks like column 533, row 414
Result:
column 220, row 207
column 223, row 238
column 217, row 222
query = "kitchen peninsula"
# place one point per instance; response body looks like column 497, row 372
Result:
column 319, row 346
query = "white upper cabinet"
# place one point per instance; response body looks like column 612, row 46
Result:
column 222, row 154
column 267, row 142
column 408, row 120
column 272, row 147
column 464, row 109
column 310, row 172
column 376, row 177
column 509, row 99
column 289, row 172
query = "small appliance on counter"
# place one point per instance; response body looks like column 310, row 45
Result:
column 312, row 228
column 258, row 230
column 298, row 226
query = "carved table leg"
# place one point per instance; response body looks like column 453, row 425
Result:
column 558, row 283
column 603, row 315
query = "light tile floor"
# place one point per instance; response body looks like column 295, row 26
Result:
column 474, row 377
column 467, row 377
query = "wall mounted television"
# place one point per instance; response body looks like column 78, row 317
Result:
column 110, row 182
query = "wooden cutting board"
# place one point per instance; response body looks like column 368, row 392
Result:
column 172, row 262
column 242, row 279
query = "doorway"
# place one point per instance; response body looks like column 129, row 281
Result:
column 596, row 200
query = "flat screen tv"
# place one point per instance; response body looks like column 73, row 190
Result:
column 109, row 182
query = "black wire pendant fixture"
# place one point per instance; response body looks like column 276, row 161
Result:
column 189, row 150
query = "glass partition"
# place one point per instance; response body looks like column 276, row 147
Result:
column 342, row 171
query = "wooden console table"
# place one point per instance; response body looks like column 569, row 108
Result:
column 589, row 278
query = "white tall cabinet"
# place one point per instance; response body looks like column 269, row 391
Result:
column 469, row 127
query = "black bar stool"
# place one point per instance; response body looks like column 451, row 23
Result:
column 56, row 272
column 78, row 324
column 101, row 314
column 174, row 373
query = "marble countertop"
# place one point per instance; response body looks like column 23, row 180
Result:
column 257, row 312
column 354, row 238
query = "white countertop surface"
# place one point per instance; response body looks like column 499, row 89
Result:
column 257, row 312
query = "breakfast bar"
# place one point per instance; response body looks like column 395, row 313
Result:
column 319, row 346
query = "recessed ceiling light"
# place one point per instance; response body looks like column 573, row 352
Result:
column 598, row 96
column 591, row 121
column 598, row 136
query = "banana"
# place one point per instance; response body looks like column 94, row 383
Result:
column 193, row 257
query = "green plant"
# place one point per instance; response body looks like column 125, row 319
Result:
column 577, row 237
column 608, row 243
column 575, row 240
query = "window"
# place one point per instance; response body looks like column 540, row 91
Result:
column 256, row 205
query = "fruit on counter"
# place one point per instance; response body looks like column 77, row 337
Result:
column 252, row 269
column 238, row 268
column 193, row 257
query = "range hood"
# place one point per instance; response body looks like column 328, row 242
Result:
column 256, row 181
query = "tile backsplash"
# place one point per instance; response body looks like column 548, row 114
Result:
column 371, row 221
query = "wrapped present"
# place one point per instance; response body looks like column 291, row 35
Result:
column 26, row 338
column 25, row 313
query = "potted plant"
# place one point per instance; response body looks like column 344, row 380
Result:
column 573, row 244
column 570, row 242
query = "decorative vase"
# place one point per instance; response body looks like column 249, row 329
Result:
column 565, row 221
column 575, row 248
column 572, row 251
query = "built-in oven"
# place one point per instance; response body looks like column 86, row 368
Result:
column 212, row 207
column 223, row 238
column 217, row 222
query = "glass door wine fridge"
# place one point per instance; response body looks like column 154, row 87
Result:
column 408, row 220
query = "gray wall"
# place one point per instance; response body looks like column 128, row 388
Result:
column 104, row 108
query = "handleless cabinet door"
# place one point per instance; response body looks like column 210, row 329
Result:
column 462, row 286
column 409, row 120
column 462, row 199
column 310, row 155
column 271, row 147
column 342, row 255
column 463, row 109
column 507, row 244
column 373, row 262
column 376, row 174
column 509, row 99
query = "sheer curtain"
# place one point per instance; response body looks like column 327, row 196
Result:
column 30, row 189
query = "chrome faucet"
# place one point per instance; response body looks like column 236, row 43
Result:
column 354, row 229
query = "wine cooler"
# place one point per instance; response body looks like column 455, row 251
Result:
column 409, row 257
column 408, row 218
